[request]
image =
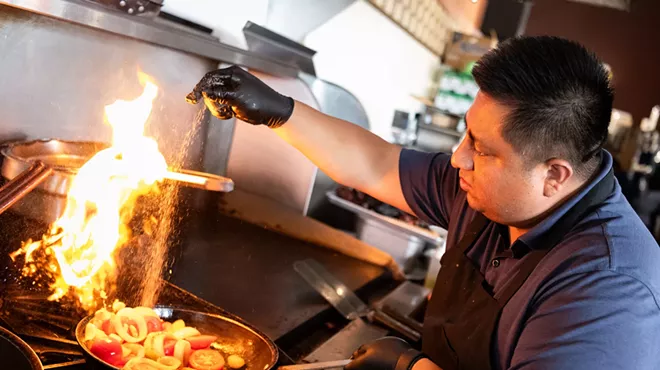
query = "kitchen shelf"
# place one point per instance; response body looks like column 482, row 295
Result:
column 429, row 105
column 442, row 130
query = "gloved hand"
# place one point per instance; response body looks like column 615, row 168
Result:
column 233, row 92
column 388, row 353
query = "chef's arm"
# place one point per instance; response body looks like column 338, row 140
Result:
column 346, row 152
column 425, row 364
column 389, row 353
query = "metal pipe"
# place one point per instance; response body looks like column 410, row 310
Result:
column 20, row 186
column 201, row 180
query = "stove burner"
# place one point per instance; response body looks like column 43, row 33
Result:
column 49, row 327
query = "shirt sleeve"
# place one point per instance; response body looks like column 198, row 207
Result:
column 429, row 184
column 601, row 320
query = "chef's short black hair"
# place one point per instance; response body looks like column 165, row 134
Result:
column 559, row 95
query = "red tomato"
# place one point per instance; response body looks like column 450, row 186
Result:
column 108, row 350
column 201, row 341
column 168, row 347
column 207, row 359
column 108, row 328
column 119, row 362
column 153, row 324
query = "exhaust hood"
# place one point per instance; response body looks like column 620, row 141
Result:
column 616, row 4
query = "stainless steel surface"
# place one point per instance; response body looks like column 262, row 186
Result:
column 23, row 184
column 261, row 163
column 403, row 247
column 317, row 365
column 390, row 322
column 333, row 290
column 71, row 73
column 345, row 301
column 436, row 140
column 160, row 33
column 406, row 298
column 201, row 180
column 40, row 206
column 65, row 157
column 336, row 101
column 340, row 103
column 133, row 7
column 346, row 341
column 391, row 223
column 219, row 138
column 266, row 42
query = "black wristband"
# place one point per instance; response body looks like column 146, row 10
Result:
column 408, row 359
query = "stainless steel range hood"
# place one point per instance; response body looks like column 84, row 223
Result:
column 93, row 14
column 616, row 4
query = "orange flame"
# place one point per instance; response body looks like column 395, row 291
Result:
column 100, row 200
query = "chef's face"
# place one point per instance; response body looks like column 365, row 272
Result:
column 498, row 181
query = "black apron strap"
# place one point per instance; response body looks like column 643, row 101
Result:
column 475, row 228
column 593, row 198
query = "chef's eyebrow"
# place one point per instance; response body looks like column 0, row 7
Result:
column 474, row 139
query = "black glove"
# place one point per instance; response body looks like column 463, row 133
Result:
column 388, row 353
column 233, row 92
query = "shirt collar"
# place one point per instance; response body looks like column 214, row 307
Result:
column 528, row 239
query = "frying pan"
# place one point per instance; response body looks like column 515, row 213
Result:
column 16, row 354
column 235, row 337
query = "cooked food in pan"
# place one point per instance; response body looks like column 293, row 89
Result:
column 138, row 339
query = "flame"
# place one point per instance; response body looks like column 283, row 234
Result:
column 100, row 202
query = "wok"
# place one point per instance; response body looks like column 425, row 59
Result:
column 16, row 354
column 235, row 336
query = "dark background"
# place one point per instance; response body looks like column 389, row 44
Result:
column 628, row 41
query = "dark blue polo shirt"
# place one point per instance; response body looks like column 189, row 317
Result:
column 591, row 303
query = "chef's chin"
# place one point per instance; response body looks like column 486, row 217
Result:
column 474, row 203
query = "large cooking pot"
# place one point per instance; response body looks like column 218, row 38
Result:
column 235, row 336
column 47, row 202
column 65, row 158
column 15, row 354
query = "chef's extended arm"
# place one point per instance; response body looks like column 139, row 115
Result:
column 346, row 152
column 389, row 353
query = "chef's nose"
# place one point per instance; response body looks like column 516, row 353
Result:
column 462, row 157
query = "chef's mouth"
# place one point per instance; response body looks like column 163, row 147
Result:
column 464, row 184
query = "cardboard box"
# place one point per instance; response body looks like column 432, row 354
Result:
column 463, row 50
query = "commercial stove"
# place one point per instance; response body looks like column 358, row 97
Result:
column 217, row 264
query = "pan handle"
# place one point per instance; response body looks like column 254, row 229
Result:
column 317, row 365
column 21, row 185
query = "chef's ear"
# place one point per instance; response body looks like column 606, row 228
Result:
column 559, row 172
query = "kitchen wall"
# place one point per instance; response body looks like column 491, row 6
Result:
column 225, row 17
column 363, row 51
column 359, row 49
column 628, row 42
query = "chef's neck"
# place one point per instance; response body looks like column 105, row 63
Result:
column 568, row 192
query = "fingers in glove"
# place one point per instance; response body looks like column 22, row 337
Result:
column 194, row 96
column 222, row 111
column 214, row 81
column 359, row 352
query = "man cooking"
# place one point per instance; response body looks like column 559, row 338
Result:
column 547, row 265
